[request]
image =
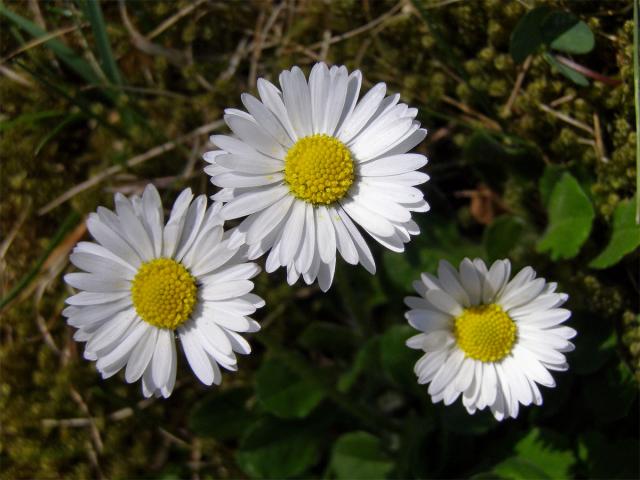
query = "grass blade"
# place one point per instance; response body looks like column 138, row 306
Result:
column 74, row 61
column 93, row 13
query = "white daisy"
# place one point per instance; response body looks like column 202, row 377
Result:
column 486, row 337
column 310, row 160
column 144, row 282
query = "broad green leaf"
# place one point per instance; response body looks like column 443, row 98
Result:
column 578, row 39
column 624, row 239
column 540, row 454
column 527, row 35
column 570, row 73
column 558, row 29
column 516, row 468
column 396, row 358
column 502, row 235
column 357, row 455
column 284, row 392
column 279, row 449
column 222, row 415
column 556, row 24
column 570, row 219
column 552, row 173
column 328, row 338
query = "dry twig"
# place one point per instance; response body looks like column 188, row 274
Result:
column 132, row 162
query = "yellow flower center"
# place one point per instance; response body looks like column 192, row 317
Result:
column 319, row 169
column 485, row 332
column 164, row 293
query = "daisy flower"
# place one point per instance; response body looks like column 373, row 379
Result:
column 144, row 283
column 309, row 162
column 487, row 337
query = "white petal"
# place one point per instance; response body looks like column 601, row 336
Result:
column 344, row 241
column 326, row 235
column 395, row 165
column 364, row 253
column 134, row 231
column 96, row 283
column 292, row 232
column 266, row 119
column 196, row 356
column 112, row 241
column 141, row 356
column 253, row 201
column 163, row 357
column 252, row 134
column 362, row 112
column 370, row 221
column 272, row 99
column 173, row 228
column 443, row 302
column 255, row 164
column 297, row 99
column 223, row 291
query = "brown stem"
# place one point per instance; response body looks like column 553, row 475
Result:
column 587, row 72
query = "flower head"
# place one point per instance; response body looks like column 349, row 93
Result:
column 144, row 283
column 488, row 337
column 309, row 162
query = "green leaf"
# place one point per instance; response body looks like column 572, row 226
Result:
column 396, row 358
column 552, row 173
column 568, row 72
column 222, row 415
column 517, row 468
column 527, row 35
column 328, row 338
column 624, row 239
column 542, row 26
column 570, row 219
column 540, row 454
column 358, row 455
column 502, row 235
column 278, row 449
column 578, row 39
column 284, row 392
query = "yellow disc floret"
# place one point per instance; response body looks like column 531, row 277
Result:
column 319, row 169
column 164, row 293
column 485, row 332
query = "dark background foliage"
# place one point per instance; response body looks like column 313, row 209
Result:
column 531, row 147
